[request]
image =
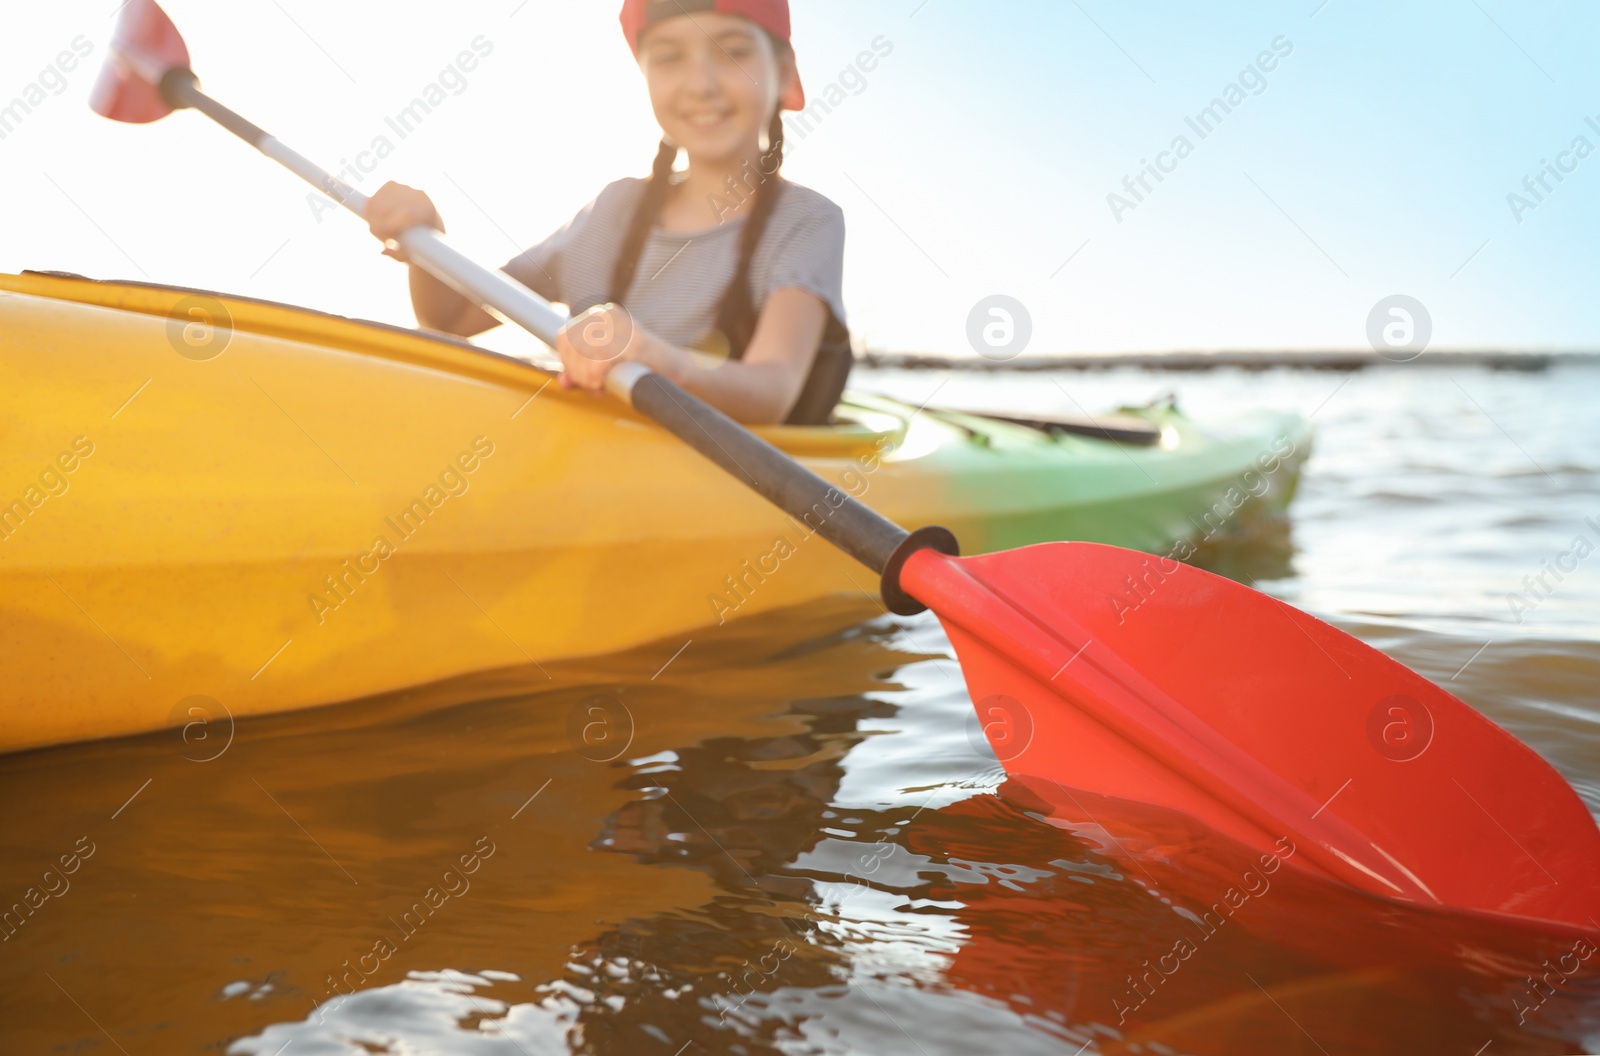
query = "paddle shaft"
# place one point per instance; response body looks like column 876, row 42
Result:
column 468, row 278
column 858, row 530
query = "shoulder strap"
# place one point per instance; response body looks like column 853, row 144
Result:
column 830, row 370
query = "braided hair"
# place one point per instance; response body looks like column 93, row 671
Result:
column 736, row 312
column 644, row 218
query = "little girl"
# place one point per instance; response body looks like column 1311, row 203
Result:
column 726, row 258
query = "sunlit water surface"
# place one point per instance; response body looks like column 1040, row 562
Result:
column 810, row 848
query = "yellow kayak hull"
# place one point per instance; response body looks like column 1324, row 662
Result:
column 271, row 508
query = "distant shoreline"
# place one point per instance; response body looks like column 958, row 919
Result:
column 1349, row 360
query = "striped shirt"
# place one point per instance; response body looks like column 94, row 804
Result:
column 682, row 274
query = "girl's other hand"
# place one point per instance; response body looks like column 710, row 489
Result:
column 593, row 341
column 394, row 208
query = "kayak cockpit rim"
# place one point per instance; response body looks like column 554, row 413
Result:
column 858, row 430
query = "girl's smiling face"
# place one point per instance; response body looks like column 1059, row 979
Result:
column 714, row 82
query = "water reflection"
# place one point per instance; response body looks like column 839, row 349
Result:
column 837, row 926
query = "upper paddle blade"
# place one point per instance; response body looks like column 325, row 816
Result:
column 1138, row 677
column 144, row 46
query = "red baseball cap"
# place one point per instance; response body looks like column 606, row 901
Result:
column 770, row 15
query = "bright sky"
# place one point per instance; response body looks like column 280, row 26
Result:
column 1374, row 158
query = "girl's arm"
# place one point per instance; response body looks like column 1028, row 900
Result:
column 394, row 208
column 438, row 307
column 759, row 389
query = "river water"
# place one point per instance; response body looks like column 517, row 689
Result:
column 809, row 850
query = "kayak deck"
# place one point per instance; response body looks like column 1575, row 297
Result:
column 283, row 508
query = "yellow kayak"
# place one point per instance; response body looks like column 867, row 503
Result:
column 211, row 496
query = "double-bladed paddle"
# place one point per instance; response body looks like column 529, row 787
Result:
column 1205, row 696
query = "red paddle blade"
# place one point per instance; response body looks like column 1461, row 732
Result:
column 144, row 46
column 1138, row 677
